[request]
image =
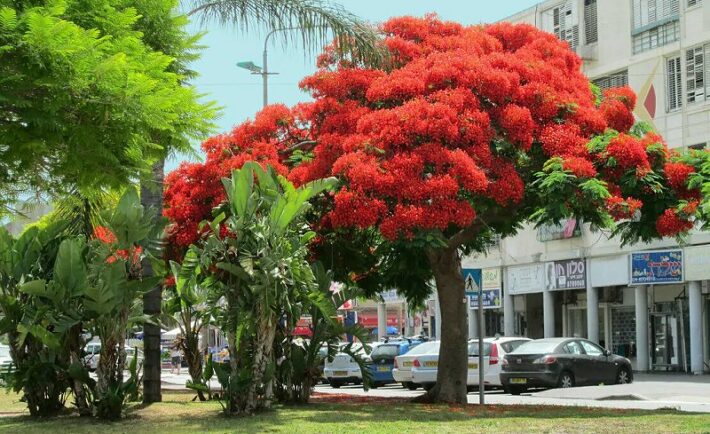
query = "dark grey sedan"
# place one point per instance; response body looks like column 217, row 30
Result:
column 562, row 362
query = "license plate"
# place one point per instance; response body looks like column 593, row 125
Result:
column 473, row 366
column 518, row 381
column 383, row 369
column 407, row 364
column 431, row 364
column 340, row 373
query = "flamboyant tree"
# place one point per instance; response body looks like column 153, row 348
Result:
column 468, row 133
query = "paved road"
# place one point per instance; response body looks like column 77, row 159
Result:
column 649, row 392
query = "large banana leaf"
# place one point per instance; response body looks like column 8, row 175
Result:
column 70, row 266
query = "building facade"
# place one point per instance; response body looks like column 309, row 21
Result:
column 649, row 302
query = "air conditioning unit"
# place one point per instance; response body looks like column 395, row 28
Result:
column 588, row 52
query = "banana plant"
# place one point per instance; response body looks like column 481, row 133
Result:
column 255, row 260
column 187, row 309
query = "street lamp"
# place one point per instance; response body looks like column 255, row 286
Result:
column 264, row 72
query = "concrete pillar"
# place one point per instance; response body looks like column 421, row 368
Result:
column 608, row 342
column 381, row 320
column 592, row 313
column 548, row 313
column 695, row 307
column 508, row 308
column 642, row 351
column 438, row 319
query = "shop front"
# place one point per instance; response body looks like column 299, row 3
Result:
column 524, row 284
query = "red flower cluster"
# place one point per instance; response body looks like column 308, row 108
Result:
column 629, row 152
column 622, row 209
column 670, row 224
column 106, row 236
column 580, row 167
column 678, row 174
column 446, row 126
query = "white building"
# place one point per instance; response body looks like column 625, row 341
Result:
column 569, row 281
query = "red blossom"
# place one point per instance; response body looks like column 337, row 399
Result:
column 580, row 167
column 678, row 174
column 629, row 152
column 622, row 209
column 670, row 224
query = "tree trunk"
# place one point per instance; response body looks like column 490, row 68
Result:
column 453, row 354
column 260, row 391
column 194, row 358
column 75, row 346
column 152, row 198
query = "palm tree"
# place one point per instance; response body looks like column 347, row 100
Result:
column 316, row 23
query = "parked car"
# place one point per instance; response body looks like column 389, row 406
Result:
column 382, row 359
column 343, row 369
column 402, row 367
column 425, row 367
column 92, row 355
column 562, row 362
column 6, row 364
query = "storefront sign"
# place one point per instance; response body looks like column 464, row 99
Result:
column 664, row 266
column 391, row 296
column 609, row 271
column 525, row 279
column 491, row 290
column 569, row 228
column 567, row 274
column 697, row 263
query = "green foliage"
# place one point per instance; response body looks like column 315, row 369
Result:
column 255, row 269
column 92, row 93
column 53, row 287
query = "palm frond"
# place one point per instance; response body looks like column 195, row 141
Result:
column 314, row 22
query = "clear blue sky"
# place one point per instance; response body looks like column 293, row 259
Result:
column 239, row 93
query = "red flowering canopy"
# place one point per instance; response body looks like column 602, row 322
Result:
column 467, row 133
column 493, row 121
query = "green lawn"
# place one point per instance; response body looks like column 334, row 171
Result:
column 178, row 415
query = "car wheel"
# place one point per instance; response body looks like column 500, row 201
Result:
column 410, row 385
column 335, row 384
column 428, row 386
column 566, row 380
column 623, row 376
column 374, row 385
column 516, row 390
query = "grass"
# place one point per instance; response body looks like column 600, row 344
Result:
column 178, row 415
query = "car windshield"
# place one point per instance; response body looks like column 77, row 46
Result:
column 537, row 347
column 473, row 349
column 385, row 351
column 4, row 351
column 425, row 348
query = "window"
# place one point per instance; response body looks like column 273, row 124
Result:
column 655, row 23
column 692, row 3
column 590, row 21
column 591, row 349
column 573, row 348
column 697, row 74
column 674, row 84
column 617, row 79
column 473, row 348
column 511, row 346
column 562, row 20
